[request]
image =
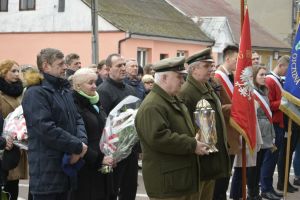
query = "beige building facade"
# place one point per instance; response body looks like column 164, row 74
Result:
column 276, row 16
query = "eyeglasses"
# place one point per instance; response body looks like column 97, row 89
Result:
column 149, row 82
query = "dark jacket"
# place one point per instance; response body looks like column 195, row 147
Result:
column 138, row 86
column 92, row 184
column 54, row 128
column 170, row 165
column 69, row 72
column 2, row 146
column 99, row 81
column 215, row 165
column 111, row 93
column 1, row 128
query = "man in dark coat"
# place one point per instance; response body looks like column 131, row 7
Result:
column 112, row 91
column 132, row 78
column 102, row 72
column 73, row 64
column 167, row 135
column 54, row 126
column 215, row 165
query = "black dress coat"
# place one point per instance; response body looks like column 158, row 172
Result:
column 54, row 128
column 92, row 184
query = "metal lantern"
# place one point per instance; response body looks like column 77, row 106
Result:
column 205, row 120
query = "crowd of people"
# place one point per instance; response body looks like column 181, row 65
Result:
column 66, row 106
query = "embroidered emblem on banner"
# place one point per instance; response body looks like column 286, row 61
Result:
column 245, row 84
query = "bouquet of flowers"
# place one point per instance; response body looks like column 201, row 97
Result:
column 119, row 135
column 15, row 127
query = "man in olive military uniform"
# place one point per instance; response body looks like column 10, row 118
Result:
column 217, row 164
column 167, row 135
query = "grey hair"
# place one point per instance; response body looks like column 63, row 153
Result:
column 192, row 67
column 158, row 75
column 80, row 76
column 129, row 61
column 48, row 55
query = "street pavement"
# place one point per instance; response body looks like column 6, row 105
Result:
column 141, row 193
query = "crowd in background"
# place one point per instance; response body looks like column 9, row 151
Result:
column 66, row 105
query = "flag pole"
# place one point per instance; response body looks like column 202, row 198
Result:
column 244, row 177
column 287, row 159
column 288, row 149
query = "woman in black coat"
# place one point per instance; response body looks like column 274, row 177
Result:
column 92, row 184
column 7, row 144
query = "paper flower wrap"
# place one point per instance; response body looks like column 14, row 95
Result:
column 119, row 135
column 15, row 127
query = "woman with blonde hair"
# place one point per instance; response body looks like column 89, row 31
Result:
column 92, row 184
column 10, row 98
column 148, row 81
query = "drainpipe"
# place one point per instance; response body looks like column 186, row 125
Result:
column 128, row 36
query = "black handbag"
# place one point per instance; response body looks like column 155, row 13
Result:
column 11, row 158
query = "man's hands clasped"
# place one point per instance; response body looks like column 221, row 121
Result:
column 75, row 157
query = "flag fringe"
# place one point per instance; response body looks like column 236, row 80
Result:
column 290, row 113
column 242, row 132
column 291, row 98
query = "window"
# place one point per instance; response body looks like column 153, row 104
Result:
column 3, row 5
column 61, row 5
column 181, row 53
column 27, row 5
column 163, row 56
column 142, row 55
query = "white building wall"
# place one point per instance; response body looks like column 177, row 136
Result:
column 46, row 18
column 219, row 30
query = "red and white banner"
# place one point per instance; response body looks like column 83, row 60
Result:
column 243, row 115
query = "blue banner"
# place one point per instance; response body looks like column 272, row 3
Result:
column 290, row 101
column 292, row 80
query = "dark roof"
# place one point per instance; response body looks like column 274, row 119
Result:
column 150, row 18
column 213, row 8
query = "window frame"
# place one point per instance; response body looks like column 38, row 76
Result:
column 27, row 9
column 142, row 59
column 163, row 56
column 181, row 53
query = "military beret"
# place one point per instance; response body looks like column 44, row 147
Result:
column 175, row 64
column 204, row 56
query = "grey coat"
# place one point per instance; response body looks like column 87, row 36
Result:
column 266, row 127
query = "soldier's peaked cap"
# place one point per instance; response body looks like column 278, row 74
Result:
column 203, row 56
column 175, row 64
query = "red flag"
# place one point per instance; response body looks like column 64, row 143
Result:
column 243, row 116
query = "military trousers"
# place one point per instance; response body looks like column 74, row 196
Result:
column 207, row 190
column 194, row 196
